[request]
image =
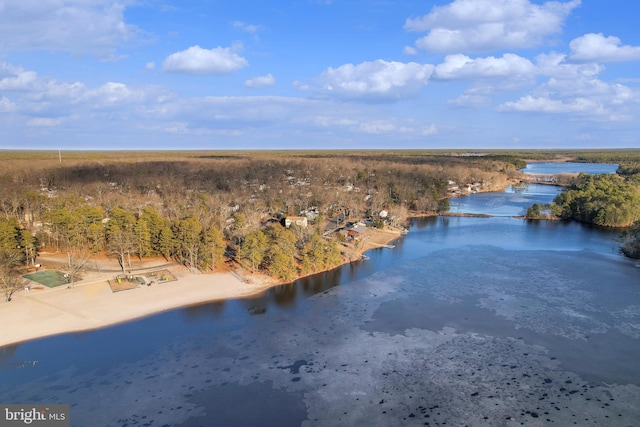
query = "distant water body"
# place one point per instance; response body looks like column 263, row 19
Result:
column 466, row 321
column 569, row 167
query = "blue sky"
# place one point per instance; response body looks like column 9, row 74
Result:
column 307, row 74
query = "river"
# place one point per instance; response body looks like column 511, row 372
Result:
column 466, row 321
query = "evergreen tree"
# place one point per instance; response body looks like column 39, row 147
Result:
column 143, row 237
column 28, row 244
column 9, row 234
column 166, row 243
column 155, row 226
column 214, row 246
column 254, row 248
column 282, row 252
column 187, row 233
column 281, row 264
column 95, row 237
column 313, row 258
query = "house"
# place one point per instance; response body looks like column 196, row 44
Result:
column 311, row 213
column 354, row 231
column 300, row 221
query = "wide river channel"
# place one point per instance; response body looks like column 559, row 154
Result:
column 466, row 321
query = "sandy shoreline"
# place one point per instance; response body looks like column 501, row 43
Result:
column 91, row 304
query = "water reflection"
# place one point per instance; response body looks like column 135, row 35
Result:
column 7, row 353
column 214, row 310
column 317, row 283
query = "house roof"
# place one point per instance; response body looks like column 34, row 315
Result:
column 358, row 227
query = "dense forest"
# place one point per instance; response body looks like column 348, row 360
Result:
column 608, row 200
column 203, row 209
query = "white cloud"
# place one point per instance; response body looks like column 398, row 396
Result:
column 94, row 27
column 150, row 66
column 378, row 80
column 575, row 89
column 196, row 60
column 482, row 25
column 261, row 81
column 113, row 93
column 16, row 78
column 44, row 102
column 462, row 67
column 556, row 65
column 529, row 103
column 598, row 48
column 592, row 88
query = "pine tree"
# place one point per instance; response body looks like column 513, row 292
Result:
column 214, row 246
column 254, row 248
column 188, row 234
column 281, row 263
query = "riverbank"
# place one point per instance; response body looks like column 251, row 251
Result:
column 91, row 304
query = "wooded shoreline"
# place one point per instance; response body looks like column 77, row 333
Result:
column 90, row 304
column 278, row 216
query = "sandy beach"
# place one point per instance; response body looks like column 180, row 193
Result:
column 91, row 304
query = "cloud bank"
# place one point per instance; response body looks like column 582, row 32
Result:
column 89, row 27
column 484, row 25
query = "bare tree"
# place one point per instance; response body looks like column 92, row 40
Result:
column 10, row 279
column 121, row 244
column 76, row 266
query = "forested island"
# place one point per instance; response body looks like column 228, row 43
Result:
column 284, row 214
